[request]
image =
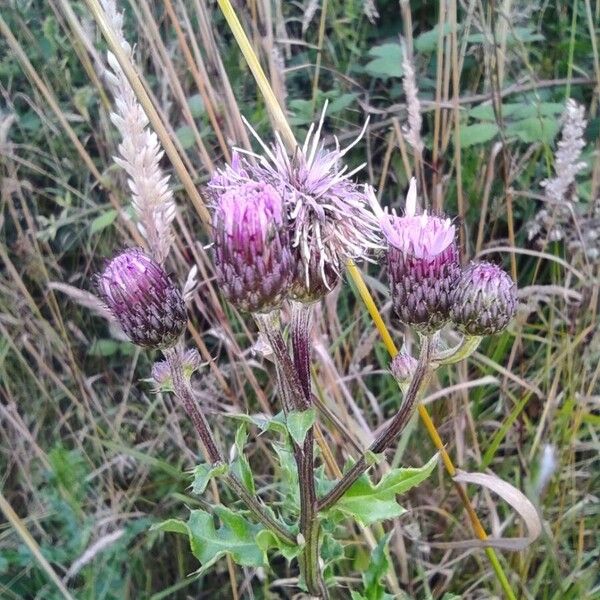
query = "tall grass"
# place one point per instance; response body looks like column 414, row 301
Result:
column 88, row 451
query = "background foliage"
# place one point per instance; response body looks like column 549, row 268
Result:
column 91, row 458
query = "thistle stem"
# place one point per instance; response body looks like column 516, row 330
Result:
column 390, row 433
column 478, row 529
column 294, row 380
column 301, row 317
column 183, row 392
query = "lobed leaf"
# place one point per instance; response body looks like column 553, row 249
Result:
column 368, row 503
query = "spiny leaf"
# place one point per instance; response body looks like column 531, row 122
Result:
column 299, row 422
column 172, row 526
column 204, row 473
column 236, row 536
column 289, row 476
column 266, row 540
column 275, row 424
column 369, row 503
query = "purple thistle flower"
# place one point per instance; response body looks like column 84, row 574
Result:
column 484, row 299
column 423, row 263
column 329, row 217
column 251, row 250
column 142, row 297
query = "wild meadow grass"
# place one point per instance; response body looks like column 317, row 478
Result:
column 493, row 107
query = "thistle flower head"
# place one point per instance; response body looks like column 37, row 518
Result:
column 423, row 263
column 252, row 257
column 142, row 297
column 329, row 217
column 484, row 299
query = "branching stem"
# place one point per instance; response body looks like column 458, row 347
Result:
column 183, row 392
column 294, row 381
column 390, row 433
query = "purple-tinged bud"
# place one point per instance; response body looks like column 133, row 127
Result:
column 423, row 264
column 251, row 250
column 313, row 279
column 484, row 299
column 403, row 367
column 142, row 297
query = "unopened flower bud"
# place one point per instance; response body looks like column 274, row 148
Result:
column 423, row 264
column 484, row 299
column 142, row 297
column 403, row 367
column 312, row 281
column 252, row 255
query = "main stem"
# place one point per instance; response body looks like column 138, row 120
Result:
column 294, row 381
column 310, row 528
column 391, row 432
column 184, row 394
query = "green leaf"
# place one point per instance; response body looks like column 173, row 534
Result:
column 369, row 503
column 542, row 109
column 185, row 135
column 103, row 221
column 302, row 111
column 427, row 41
column 196, row 105
column 236, row 537
column 289, row 477
column 108, row 347
column 299, row 422
column 275, row 424
column 341, row 102
column 247, row 543
column 535, row 129
column 517, row 110
column 387, row 62
column 477, row 134
column 240, row 465
column 485, row 112
column 378, row 565
column 525, row 34
column 266, row 540
column 517, row 34
column 204, row 473
column 171, row 526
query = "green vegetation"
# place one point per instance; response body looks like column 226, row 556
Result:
column 103, row 474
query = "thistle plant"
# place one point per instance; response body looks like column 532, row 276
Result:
column 251, row 250
column 423, row 263
column 143, row 299
column 285, row 226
